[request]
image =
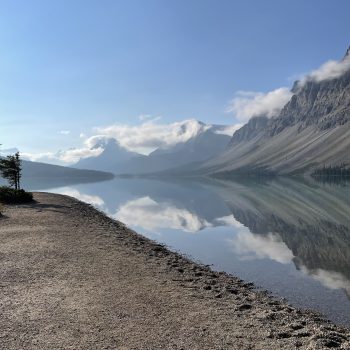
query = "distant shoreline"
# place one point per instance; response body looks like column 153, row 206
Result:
column 73, row 277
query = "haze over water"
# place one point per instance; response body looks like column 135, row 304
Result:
column 289, row 237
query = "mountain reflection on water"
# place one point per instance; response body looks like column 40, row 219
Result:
column 290, row 237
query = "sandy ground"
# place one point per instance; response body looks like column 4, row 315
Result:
column 71, row 278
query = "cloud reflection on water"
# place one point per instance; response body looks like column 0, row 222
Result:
column 91, row 199
column 249, row 246
column 330, row 279
column 150, row 215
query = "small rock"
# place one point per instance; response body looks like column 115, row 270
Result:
column 244, row 307
column 296, row 326
column 302, row 334
column 283, row 335
column 298, row 344
column 331, row 343
column 231, row 290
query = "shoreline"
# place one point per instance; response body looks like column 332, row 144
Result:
column 73, row 277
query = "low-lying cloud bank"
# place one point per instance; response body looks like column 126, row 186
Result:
column 152, row 216
column 142, row 138
column 248, row 104
column 327, row 71
column 67, row 157
column 150, row 135
column 228, row 130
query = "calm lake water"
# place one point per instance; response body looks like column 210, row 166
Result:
column 289, row 237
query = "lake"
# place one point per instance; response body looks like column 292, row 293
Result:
column 289, row 237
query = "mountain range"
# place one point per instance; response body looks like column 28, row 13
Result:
column 43, row 170
column 56, row 175
column 311, row 131
column 208, row 142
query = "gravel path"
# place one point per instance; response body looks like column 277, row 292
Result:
column 71, row 278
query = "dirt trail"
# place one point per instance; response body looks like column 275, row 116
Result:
column 71, row 278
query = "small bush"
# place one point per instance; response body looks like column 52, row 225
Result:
column 11, row 196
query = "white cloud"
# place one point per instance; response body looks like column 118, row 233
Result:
column 90, row 148
column 143, row 138
column 46, row 157
column 148, row 136
column 228, row 130
column 64, row 132
column 229, row 221
column 248, row 104
column 329, row 70
column 75, row 154
column 150, row 215
column 96, row 141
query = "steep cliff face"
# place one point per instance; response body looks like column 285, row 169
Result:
column 250, row 130
column 312, row 130
column 324, row 104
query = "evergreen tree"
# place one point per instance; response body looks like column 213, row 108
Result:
column 11, row 170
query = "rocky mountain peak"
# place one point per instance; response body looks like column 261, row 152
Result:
column 347, row 54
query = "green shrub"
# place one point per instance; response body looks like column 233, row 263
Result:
column 11, row 196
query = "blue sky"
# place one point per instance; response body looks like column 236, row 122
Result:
column 77, row 65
